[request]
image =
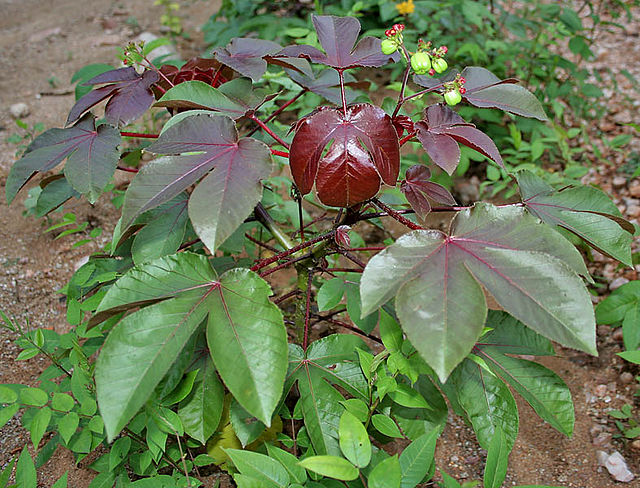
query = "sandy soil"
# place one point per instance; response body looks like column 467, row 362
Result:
column 44, row 40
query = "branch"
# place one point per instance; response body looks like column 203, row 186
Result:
column 139, row 135
column 264, row 127
column 392, row 213
column 266, row 262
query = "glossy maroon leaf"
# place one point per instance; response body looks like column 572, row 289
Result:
column 417, row 187
column 402, row 123
column 362, row 150
column 327, row 84
column 130, row 95
column 338, row 35
column 246, row 55
column 92, row 155
column 209, row 71
column 207, row 148
column 441, row 131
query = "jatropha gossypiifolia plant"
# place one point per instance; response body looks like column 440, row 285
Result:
column 356, row 347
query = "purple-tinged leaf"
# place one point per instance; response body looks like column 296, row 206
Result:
column 441, row 131
column 297, row 65
column 338, row 35
column 438, row 281
column 582, row 210
column 342, row 236
column 327, row 84
column 433, row 81
column 235, row 98
column 232, row 170
column 129, row 92
column 363, row 150
column 246, row 55
column 418, row 189
column 485, row 90
column 92, row 156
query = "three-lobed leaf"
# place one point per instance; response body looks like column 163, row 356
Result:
column 582, row 210
column 338, row 36
column 91, row 153
column 418, row 190
column 363, row 151
column 439, row 280
column 207, row 148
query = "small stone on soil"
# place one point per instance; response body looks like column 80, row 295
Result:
column 617, row 283
column 619, row 181
column 626, row 378
column 19, row 110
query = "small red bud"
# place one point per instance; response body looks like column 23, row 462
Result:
column 398, row 27
column 388, row 33
column 462, row 80
column 445, row 49
column 463, row 90
column 432, row 72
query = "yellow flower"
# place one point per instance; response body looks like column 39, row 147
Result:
column 406, row 7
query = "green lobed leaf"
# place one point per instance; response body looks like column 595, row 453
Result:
column 54, row 194
column 248, row 341
column 331, row 466
column 201, row 411
column 354, row 440
column 487, row 403
column 260, row 467
column 540, row 387
column 330, row 360
column 438, row 281
column 235, row 98
column 582, row 210
column 495, row 469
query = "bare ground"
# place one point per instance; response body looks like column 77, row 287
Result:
column 46, row 39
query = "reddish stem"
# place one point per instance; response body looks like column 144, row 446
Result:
column 406, row 138
column 278, row 112
column 128, row 170
column 266, row 262
column 286, row 296
column 343, row 270
column 396, row 215
column 307, row 313
column 284, row 265
column 139, row 135
column 260, row 243
column 371, row 248
column 275, row 152
column 405, row 79
column 188, row 244
column 264, row 127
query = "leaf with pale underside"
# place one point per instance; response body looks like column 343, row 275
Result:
column 180, row 291
column 338, row 36
column 246, row 55
column 202, row 147
column 438, row 281
column 235, row 98
column 582, row 210
column 91, row 153
column 442, row 129
column 363, row 152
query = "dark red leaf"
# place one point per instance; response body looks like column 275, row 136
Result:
column 246, row 55
column 130, row 95
column 209, row 71
column 441, row 131
column 363, row 149
column 338, row 35
column 417, row 187
column 92, row 155
column 402, row 123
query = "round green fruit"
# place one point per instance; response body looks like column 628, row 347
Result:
column 440, row 65
column 421, row 63
column 452, row 97
column 388, row 46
